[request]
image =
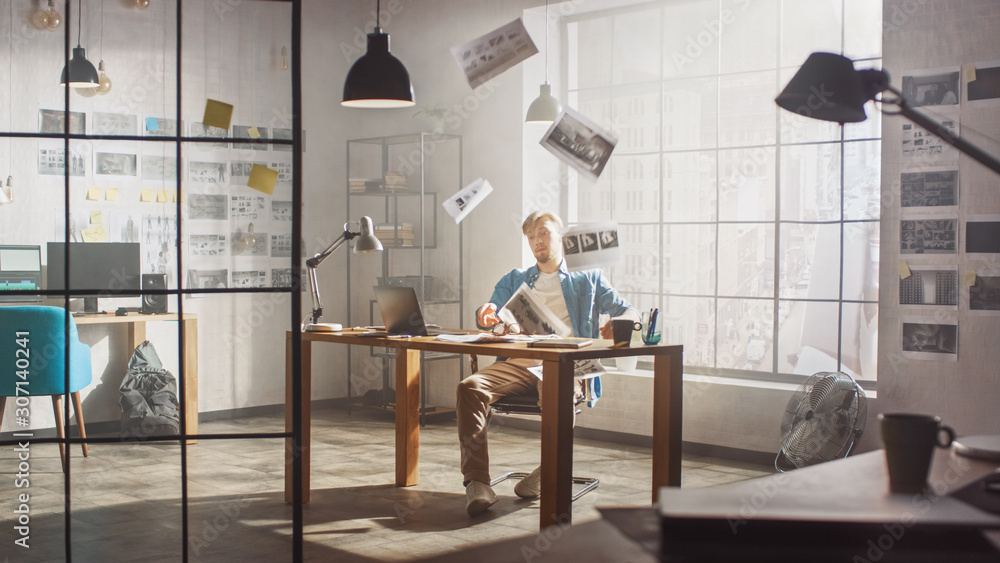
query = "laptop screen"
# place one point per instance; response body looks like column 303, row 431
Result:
column 400, row 310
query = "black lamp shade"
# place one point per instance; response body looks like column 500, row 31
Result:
column 378, row 79
column 79, row 72
column 827, row 87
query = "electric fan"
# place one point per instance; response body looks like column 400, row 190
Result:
column 822, row 421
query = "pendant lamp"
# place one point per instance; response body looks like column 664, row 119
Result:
column 378, row 79
column 79, row 72
column 545, row 108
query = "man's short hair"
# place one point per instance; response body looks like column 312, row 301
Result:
column 540, row 216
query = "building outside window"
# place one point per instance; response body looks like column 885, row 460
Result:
column 763, row 256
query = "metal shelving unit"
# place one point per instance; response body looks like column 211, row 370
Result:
column 422, row 246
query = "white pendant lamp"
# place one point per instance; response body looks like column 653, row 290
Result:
column 545, row 108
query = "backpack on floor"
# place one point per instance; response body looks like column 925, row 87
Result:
column 149, row 397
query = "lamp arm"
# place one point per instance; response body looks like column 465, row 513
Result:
column 313, row 263
column 945, row 134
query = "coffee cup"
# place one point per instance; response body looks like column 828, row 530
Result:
column 621, row 331
column 909, row 441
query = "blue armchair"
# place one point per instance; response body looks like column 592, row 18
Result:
column 33, row 357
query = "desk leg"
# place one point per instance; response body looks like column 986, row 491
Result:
column 136, row 335
column 668, row 371
column 191, row 376
column 291, row 450
column 407, row 416
column 557, row 444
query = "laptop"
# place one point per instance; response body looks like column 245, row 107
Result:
column 401, row 313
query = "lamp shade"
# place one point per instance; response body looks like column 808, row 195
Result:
column 367, row 241
column 545, row 107
column 79, row 72
column 378, row 79
column 827, row 87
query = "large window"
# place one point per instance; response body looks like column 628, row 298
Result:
column 754, row 231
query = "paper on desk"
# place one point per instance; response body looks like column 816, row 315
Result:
column 527, row 310
column 582, row 369
column 489, row 55
column 462, row 203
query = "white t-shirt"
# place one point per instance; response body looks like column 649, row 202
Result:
column 548, row 288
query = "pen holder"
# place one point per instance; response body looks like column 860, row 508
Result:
column 651, row 328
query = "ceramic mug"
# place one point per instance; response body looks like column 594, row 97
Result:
column 909, row 441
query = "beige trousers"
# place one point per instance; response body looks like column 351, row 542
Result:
column 475, row 395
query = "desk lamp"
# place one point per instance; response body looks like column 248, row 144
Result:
column 366, row 242
column 828, row 87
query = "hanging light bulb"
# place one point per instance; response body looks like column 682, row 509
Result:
column 284, row 58
column 48, row 18
column 105, row 81
column 142, row 4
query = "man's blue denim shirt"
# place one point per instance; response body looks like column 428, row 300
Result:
column 588, row 294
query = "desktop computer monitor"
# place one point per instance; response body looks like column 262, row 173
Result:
column 96, row 269
column 20, row 271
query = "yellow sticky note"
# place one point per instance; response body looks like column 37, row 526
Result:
column 183, row 197
column 94, row 234
column 904, row 270
column 162, row 196
column 95, row 218
column 263, row 179
column 94, row 194
column 146, row 195
column 969, row 73
column 970, row 278
column 217, row 114
column 253, row 132
column 111, row 194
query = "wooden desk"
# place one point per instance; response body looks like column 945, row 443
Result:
column 557, row 409
column 137, row 335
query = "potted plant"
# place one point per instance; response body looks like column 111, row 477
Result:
column 431, row 118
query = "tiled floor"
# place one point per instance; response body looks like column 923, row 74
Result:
column 126, row 507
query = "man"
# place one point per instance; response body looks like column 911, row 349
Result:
column 578, row 298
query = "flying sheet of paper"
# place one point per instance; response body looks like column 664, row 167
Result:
column 462, row 203
column 582, row 369
column 527, row 310
column 591, row 245
column 491, row 54
column 217, row 114
column 580, row 142
column 263, row 179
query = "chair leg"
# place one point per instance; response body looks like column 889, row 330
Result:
column 78, row 407
column 60, row 431
column 589, row 483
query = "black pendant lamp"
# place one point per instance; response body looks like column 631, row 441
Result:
column 378, row 79
column 79, row 72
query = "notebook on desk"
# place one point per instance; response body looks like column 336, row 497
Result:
column 401, row 313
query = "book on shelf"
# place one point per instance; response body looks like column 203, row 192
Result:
column 362, row 185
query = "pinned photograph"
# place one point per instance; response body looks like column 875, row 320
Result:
column 985, row 294
column 159, row 127
column 928, row 236
column 491, row 54
column 281, row 211
column 982, row 236
column 591, row 245
column 461, row 204
column 207, row 207
column 929, row 287
column 214, row 173
column 281, row 245
column 250, row 132
column 54, row 121
column 282, row 134
column 114, row 164
column 924, row 339
column 579, row 142
column 156, row 167
column 52, row 162
column 249, row 278
column 923, row 148
column 208, row 245
column 199, row 129
column 929, row 189
column 114, row 124
column 986, row 86
column 208, row 279
column 932, row 89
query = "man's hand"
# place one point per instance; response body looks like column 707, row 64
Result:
column 606, row 331
column 487, row 315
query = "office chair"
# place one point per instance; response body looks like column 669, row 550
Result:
column 33, row 357
column 527, row 403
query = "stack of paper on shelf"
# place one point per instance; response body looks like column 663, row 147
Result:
column 395, row 181
column 362, row 185
column 395, row 235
